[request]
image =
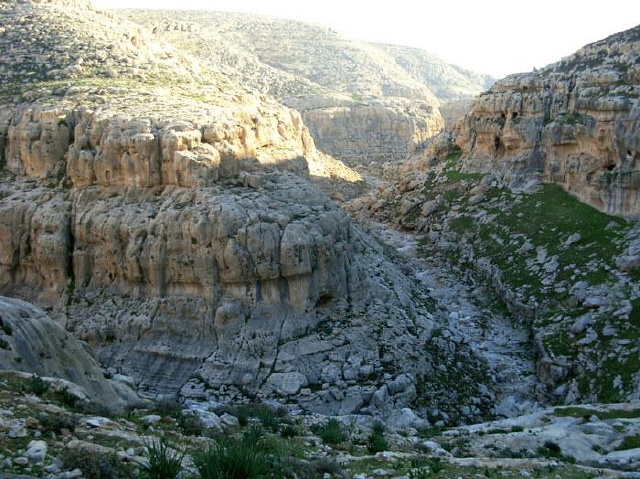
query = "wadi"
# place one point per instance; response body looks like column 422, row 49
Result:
column 235, row 246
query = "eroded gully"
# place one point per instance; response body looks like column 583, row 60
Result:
column 467, row 307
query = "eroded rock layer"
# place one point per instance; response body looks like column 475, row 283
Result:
column 173, row 226
column 360, row 104
column 574, row 122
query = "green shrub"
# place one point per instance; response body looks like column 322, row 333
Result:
column 94, row 465
column 67, row 398
column 550, row 449
column 57, row 423
column 288, row 431
column 229, row 458
column 435, row 464
column 323, row 466
column 36, row 385
column 168, row 407
column 376, row 441
column 269, row 418
column 191, row 424
column 93, row 408
column 629, row 442
column 331, row 432
column 165, row 462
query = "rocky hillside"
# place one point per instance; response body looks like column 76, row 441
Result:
column 517, row 210
column 362, row 103
column 559, row 269
column 165, row 214
column 575, row 123
column 33, row 343
column 449, row 83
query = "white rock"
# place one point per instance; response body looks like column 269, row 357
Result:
column 151, row 419
column 36, row 451
column 75, row 474
column 17, row 431
column 229, row 420
column 574, row 238
column 99, row 422
column 287, row 384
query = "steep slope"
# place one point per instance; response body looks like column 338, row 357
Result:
column 359, row 104
column 164, row 213
column 32, row 342
column 575, row 123
column 449, row 83
column 566, row 272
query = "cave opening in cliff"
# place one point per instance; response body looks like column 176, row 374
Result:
column 496, row 142
column 324, row 300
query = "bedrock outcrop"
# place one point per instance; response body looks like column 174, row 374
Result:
column 196, row 260
column 573, row 123
column 172, row 219
column 360, row 104
column 34, row 343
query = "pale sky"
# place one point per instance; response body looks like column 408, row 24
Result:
column 496, row 37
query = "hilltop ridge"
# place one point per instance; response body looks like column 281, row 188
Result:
column 360, row 104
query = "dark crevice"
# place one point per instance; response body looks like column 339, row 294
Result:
column 71, row 244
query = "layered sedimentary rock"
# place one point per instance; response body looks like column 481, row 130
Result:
column 172, row 225
column 574, row 122
column 177, row 260
column 359, row 103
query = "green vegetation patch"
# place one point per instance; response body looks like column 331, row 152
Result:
column 576, row 411
column 538, row 246
column 629, row 442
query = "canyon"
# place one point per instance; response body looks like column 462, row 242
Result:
column 201, row 215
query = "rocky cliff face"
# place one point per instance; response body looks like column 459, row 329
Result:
column 194, row 271
column 173, row 227
column 574, row 123
column 360, row 104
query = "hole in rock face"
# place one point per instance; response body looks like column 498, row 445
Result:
column 324, row 300
column 610, row 166
column 496, row 142
column 514, row 115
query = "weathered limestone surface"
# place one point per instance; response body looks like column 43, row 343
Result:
column 252, row 282
column 165, row 215
column 372, row 132
column 360, row 103
column 574, row 122
column 32, row 342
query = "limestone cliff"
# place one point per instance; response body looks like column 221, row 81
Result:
column 169, row 220
column 574, row 123
column 359, row 103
